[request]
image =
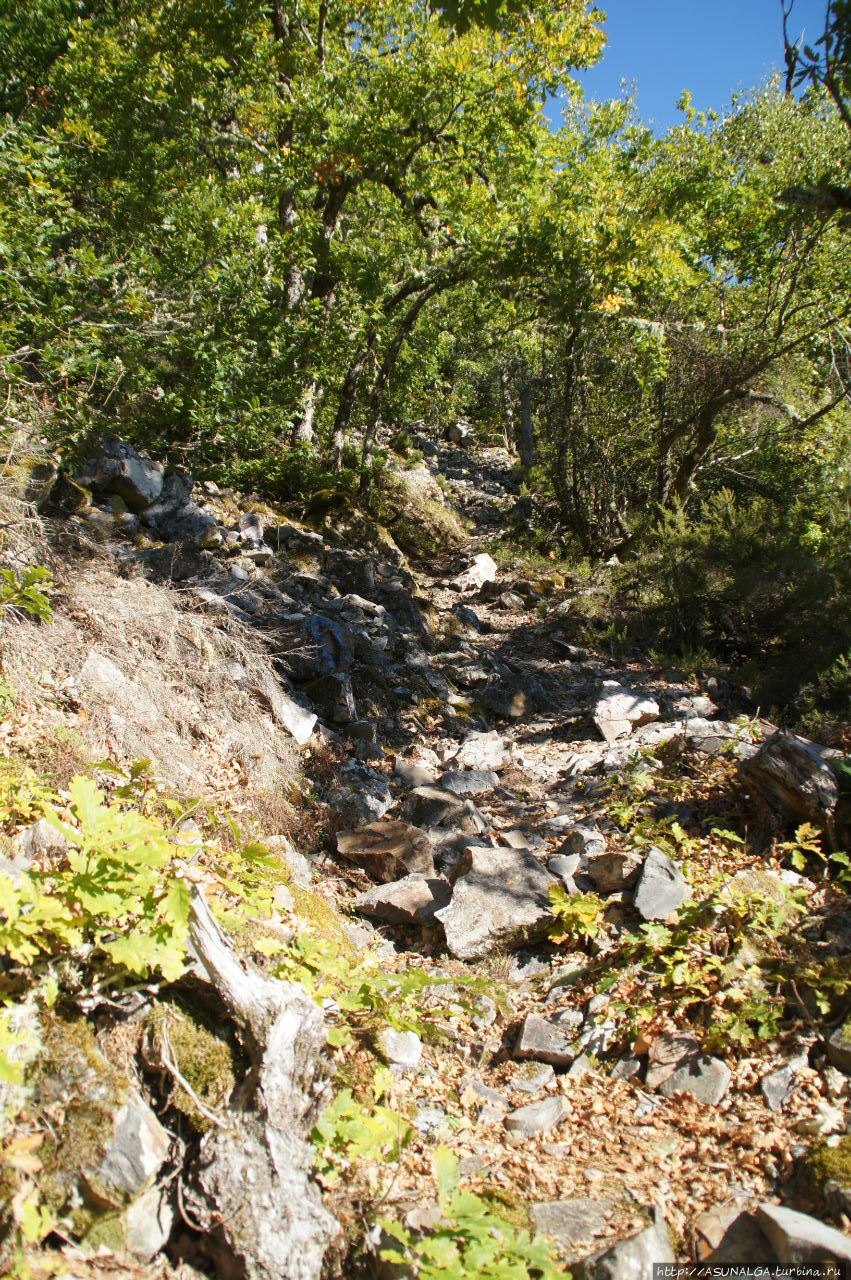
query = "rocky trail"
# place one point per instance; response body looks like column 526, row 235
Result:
column 630, row 1022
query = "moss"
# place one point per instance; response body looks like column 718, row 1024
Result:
column 314, row 909
column 845, row 1033
column 74, row 1074
column 505, row 1204
column 824, row 1164
column 205, row 1055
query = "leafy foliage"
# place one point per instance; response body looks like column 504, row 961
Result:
column 24, row 591
column 471, row 1240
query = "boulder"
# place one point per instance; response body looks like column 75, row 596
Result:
column 414, row 773
column 432, row 806
column 499, row 899
column 802, row 1241
column 631, row 1259
column 388, row 850
column 542, row 1041
column 619, row 710
column 792, row 781
column 118, row 468
column 483, row 569
column 535, row 1117
column 411, row 900
column 662, row 887
column 104, row 678
column 481, row 751
column 469, row 782
column 575, row 1223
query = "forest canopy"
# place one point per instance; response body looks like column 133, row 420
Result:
column 257, row 236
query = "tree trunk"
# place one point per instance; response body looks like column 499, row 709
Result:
column 527, row 444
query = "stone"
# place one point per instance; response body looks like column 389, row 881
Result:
column 543, row 1042
column 839, row 1047
column 483, row 569
column 802, row 1241
column 183, row 523
column 103, row 677
column 614, row 871
column 469, row 782
column 707, row 1079
column 469, row 618
column 619, row 710
column 138, row 1150
column 481, row 751
column 632, row 1258
column 666, row 1052
column 584, row 840
column 499, row 899
column 119, row 468
column 432, row 806
column 414, row 773
column 250, row 527
column 565, row 867
column 535, row 1117
column 299, row 867
column 388, row 849
column 661, row 889
column 411, row 900
column 484, row 1093
column 575, row 1223
column 401, row 1048
column 40, row 840
column 147, row 1223
column 792, row 781
column 297, row 720
column 778, row 1086
column 364, row 790
column 728, row 1235
column 533, row 1079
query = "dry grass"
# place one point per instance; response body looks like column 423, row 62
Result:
column 210, row 734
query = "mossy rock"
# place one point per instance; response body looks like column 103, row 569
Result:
column 321, row 917
column 420, row 522
column 823, row 1164
column 72, row 1074
column 324, row 501
column 206, row 1054
column 507, row 1205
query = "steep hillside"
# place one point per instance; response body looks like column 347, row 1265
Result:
column 356, row 918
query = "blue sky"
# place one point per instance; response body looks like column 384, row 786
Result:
column 710, row 47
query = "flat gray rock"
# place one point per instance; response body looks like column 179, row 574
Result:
column 619, row 710
column 481, row 751
column 500, row 898
column 535, row 1117
column 411, row 900
column 469, row 782
column 138, row 1150
column 630, row 1259
column 103, row 677
column 575, row 1223
column 542, row 1041
column 778, row 1085
column 802, row 1241
column 413, row 773
column 432, row 806
column 707, row 1079
column 662, row 888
